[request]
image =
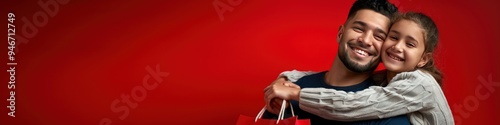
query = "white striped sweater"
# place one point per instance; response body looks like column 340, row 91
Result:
column 415, row 93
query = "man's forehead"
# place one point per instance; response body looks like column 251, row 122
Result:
column 371, row 19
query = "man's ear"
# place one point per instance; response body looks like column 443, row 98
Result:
column 340, row 33
column 426, row 57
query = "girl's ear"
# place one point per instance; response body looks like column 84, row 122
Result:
column 340, row 32
column 426, row 57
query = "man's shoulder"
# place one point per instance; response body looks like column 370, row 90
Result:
column 312, row 79
column 314, row 76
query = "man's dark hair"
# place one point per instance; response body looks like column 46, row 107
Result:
column 383, row 7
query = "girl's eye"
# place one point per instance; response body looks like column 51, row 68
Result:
column 411, row 45
column 393, row 38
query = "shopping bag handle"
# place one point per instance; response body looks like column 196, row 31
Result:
column 281, row 115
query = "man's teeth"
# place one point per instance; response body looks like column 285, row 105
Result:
column 395, row 58
column 361, row 52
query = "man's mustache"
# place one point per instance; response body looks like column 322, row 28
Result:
column 362, row 46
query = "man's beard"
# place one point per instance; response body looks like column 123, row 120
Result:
column 355, row 67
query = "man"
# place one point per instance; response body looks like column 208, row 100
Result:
column 360, row 39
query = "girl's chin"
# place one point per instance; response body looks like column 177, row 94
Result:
column 392, row 68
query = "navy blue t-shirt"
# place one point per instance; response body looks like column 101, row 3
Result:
column 318, row 81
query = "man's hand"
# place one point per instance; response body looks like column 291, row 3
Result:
column 278, row 90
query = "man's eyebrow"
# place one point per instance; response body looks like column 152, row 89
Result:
column 365, row 25
column 381, row 31
column 360, row 23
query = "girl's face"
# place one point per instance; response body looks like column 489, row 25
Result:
column 404, row 47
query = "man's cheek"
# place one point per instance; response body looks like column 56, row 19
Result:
column 378, row 47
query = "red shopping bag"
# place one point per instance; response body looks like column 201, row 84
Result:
column 247, row 120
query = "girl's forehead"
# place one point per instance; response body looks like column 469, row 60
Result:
column 408, row 29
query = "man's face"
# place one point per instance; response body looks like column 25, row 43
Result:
column 361, row 39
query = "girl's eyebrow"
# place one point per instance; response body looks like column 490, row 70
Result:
column 395, row 31
column 408, row 36
column 413, row 40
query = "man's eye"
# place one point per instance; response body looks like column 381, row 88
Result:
column 357, row 29
column 379, row 38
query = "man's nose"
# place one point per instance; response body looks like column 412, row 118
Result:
column 365, row 39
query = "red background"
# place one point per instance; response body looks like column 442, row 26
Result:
column 91, row 52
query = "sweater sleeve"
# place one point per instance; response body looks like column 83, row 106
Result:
column 406, row 93
column 295, row 75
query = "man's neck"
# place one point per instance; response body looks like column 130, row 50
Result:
column 339, row 75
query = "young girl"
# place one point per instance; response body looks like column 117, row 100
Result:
column 411, row 84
